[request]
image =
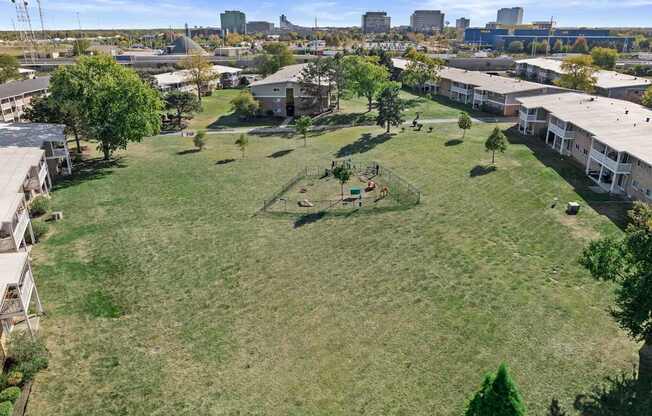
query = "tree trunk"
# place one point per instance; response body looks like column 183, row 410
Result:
column 464, row 134
column 388, row 127
column 106, row 151
column 645, row 363
column 370, row 102
column 342, row 190
column 179, row 117
column 493, row 157
column 77, row 141
column 305, row 143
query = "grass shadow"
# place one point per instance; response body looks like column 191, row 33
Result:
column 365, row 143
column 338, row 119
column 187, row 152
column 621, row 395
column 453, row 142
column 280, row 153
column 237, row 120
column 88, row 170
column 611, row 206
column 480, row 170
column 224, row 161
column 309, row 219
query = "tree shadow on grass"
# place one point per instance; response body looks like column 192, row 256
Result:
column 309, row 219
column 338, row 119
column 280, row 153
column 453, row 142
column 613, row 207
column 238, row 120
column 187, row 152
column 224, row 161
column 616, row 396
column 480, row 170
column 365, row 143
column 88, row 170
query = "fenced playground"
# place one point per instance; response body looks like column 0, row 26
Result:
column 316, row 189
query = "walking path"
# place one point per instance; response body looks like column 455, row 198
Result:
column 283, row 129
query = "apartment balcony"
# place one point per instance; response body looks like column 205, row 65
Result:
column 37, row 183
column 16, row 301
column 529, row 117
column 460, row 90
column 609, row 163
column 562, row 132
column 59, row 152
column 12, row 242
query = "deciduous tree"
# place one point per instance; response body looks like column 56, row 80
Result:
column 628, row 263
column 497, row 142
column 342, row 174
column 45, row 110
column 464, row 123
column 199, row 140
column 242, row 143
column 184, row 103
column 580, row 45
column 8, row 68
column 303, row 125
column 647, row 98
column 115, row 106
column 245, row 103
column 578, row 74
column 515, row 46
column 605, row 58
column 390, row 106
column 421, row 70
column 200, row 72
column 365, row 77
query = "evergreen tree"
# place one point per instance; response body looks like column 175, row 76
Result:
column 498, row 396
column 497, row 142
column 390, row 107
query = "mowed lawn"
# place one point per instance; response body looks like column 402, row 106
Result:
column 217, row 113
column 166, row 294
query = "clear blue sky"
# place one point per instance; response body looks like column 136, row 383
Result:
column 106, row 14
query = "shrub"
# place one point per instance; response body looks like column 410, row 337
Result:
column 40, row 228
column 14, row 378
column 199, row 139
column 29, row 354
column 6, row 408
column 10, row 394
column 40, row 205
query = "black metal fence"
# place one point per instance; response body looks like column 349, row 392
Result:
column 395, row 192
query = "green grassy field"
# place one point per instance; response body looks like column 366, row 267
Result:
column 217, row 113
column 166, row 294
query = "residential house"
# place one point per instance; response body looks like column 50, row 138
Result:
column 482, row 91
column 608, row 83
column 610, row 138
column 281, row 94
column 49, row 137
column 15, row 97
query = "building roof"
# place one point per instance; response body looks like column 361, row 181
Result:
column 621, row 125
column 183, row 45
column 481, row 80
column 14, row 88
column 290, row 73
column 183, row 76
column 11, row 269
column 9, row 204
column 604, row 79
column 30, row 134
column 15, row 163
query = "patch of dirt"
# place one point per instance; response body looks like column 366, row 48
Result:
column 577, row 228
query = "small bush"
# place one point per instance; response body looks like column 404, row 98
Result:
column 10, row 394
column 39, row 206
column 28, row 354
column 40, row 228
column 199, row 139
column 6, row 408
column 14, row 378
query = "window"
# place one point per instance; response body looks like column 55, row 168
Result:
column 577, row 146
column 276, row 90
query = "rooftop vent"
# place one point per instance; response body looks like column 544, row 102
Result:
column 626, row 111
column 647, row 120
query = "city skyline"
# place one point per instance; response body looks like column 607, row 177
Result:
column 119, row 14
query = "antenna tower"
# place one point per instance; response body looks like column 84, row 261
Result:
column 25, row 30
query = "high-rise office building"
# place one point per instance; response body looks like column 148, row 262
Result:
column 427, row 21
column 510, row 16
column 260, row 27
column 376, row 22
column 462, row 23
column 233, row 21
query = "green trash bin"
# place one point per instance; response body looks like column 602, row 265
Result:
column 356, row 191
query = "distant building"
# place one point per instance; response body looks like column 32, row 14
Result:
column 287, row 26
column 183, row 45
column 233, row 21
column 376, row 22
column 462, row 23
column 260, row 27
column 15, row 97
column 510, row 16
column 427, row 21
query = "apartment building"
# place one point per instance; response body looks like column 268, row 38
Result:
column 15, row 97
column 24, row 170
column 20, row 304
column 182, row 80
column 15, row 223
column 481, row 91
column 608, row 83
column 281, row 94
column 50, row 138
column 510, row 16
column 610, row 138
column 427, row 21
column 376, row 22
